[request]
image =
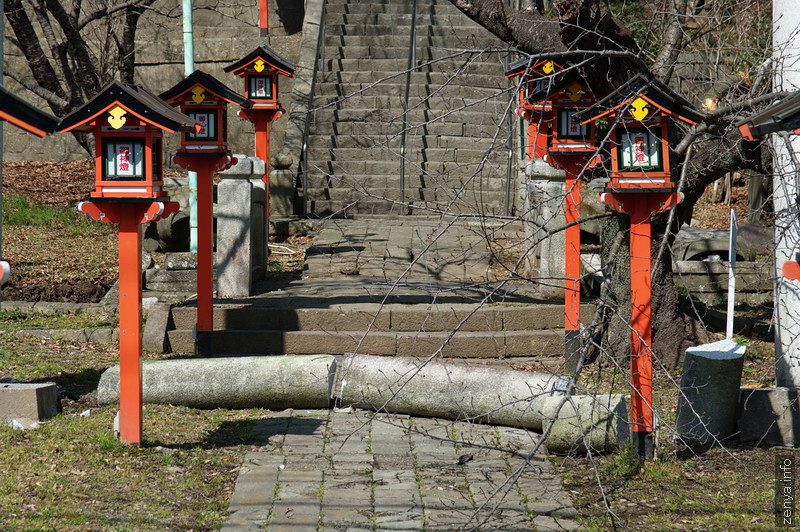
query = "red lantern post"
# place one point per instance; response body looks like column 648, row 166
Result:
column 260, row 70
column 571, row 147
column 550, row 99
column 204, row 99
column 127, row 122
column 640, row 186
column 536, row 111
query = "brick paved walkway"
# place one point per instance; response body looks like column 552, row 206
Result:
column 346, row 470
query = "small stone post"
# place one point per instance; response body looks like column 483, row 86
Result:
column 709, row 400
column 544, row 208
column 241, row 235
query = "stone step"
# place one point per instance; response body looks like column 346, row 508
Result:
column 400, row 8
column 497, row 81
column 414, row 179
column 468, row 115
column 338, row 26
column 445, row 66
column 418, row 344
column 469, row 203
column 351, row 194
column 396, row 87
column 389, row 317
column 471, row 41
column 366, row 207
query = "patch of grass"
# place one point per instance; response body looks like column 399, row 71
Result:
column 20, row 211
column 624, row 464
column 72, row 473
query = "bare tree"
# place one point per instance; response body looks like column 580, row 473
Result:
column 54, row 37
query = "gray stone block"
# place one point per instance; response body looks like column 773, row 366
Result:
column 154, row 336
column 28, row 403
column 234, row 240
column 712, row 374
column 769, row 416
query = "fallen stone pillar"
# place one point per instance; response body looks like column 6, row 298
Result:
column 596, row 422
column 445, row 389
column 709, row 390
column 484, row 395
column 248, row 382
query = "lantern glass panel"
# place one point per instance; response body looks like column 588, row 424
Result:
column 208, row 119
column 260, row 87
column 569, row 127
column 123, row 160
column 639, row 149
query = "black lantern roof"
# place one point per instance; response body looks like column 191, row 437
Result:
column 781, row 116
column 545, row 67
column 210, row 84
column 137, row 100
column 652, row 90
column 557, row 85
column 17, row 111
column 269, row 56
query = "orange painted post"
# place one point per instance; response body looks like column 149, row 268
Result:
column 641, row 323
column 205, row 165
column 129, row 216
column 640, row 206
column 263, row 122
column 130, row 325
column 572, row 270
column 263, row 14
column 205, row 249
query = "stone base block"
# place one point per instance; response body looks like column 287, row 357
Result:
column 28, row 403
column 769, row 416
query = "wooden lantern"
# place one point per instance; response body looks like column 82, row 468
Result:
column 127, row 122
column 260, row 70
column 536, row 111
column 639, row 113
column 567, row 96
column 203, row 98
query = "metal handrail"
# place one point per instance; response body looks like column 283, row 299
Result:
column 412, row 63
column 319, row 57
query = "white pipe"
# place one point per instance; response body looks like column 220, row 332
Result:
column 188, row 68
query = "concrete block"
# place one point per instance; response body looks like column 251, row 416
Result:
column 769, row 416
column 28, row 403
column 712, row 374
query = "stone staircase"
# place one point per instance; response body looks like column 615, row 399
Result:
column 456, row 154
column 491, row 331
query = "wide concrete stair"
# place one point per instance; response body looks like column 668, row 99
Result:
column 455, row 156
column 455, row 330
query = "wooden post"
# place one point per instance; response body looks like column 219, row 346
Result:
column 130, row 325
column 129, row 216
column 640, row 206
column 205, row 165
column 572, row 269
